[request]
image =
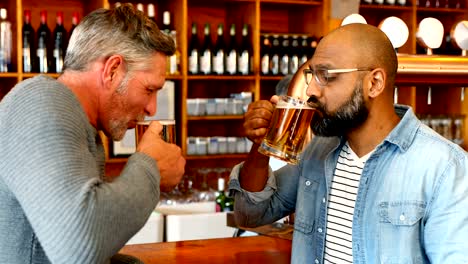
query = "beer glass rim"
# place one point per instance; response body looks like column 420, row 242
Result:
column 162, row 122
column 295, row 101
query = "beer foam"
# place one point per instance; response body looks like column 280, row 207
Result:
column 295, row 105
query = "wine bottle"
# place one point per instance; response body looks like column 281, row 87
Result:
column 43, row 44
column 231, row 56
column 265, row 54
column 167, row 27
column 219, row 52
column 294, row 55
column 60, row 36
column 275, row 55
column 174, row 59
column 152, row 13
column 205, row 53
column 244, row 52
column 194, row 51
column 6, row 42
column 224, row 203
column 75, row 21
column 28, row 43
column 304, row 50
column 140, row 7
column 284, row 58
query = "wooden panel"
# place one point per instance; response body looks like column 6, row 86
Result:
column 214, row 89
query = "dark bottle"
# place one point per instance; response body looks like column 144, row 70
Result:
column 75, row 21
column 205, row 52
column 194, row 51
column 167, row 26
column 28, row 43
column 60, row 37
column 245, row 52
column 275, row 55
column 284, row 58
column 294, row 55
column 231, row 52
column 304, row 50
column 265, row 50
column 44, row 48
column 219, row 52
column 224, row 203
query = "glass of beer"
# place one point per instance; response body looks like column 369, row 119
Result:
column 168, row 132
column 288, row 129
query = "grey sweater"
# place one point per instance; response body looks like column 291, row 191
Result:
column 55, row 204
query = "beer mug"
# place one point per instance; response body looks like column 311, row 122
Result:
column 288, row 129
column 167, row 133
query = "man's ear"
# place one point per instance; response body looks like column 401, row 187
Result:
column 113, row 71
column 377, row 80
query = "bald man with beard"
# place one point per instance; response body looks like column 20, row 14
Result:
column 374, row 185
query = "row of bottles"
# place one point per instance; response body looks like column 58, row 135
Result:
column 420, row 3
column 385, row 2
column 45, row 52
column 6, row 44
column 220, row 58
column 283, row 55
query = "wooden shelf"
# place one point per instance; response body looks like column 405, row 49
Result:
column 271, row 78
column 441, row 10
column 221, row 77
column 30, row 75
column 219, row 156
column 292, row 2
column 217, row 117
column 9, row 75
column 386, row 7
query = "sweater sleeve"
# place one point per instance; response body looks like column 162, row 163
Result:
column 55, row 176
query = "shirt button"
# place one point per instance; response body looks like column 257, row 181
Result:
column 324, row 200
column 319, row 230
column 402, row 217
column 307, row 183
column 316, row 261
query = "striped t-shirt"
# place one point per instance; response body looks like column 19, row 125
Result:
column 344, row 188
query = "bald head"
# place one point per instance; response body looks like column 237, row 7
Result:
column 365, row 46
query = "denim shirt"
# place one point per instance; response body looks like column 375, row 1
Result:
column 411, row 206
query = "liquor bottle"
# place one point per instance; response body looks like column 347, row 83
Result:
column 284, row 58
column 60, row 36
column 304, row 50
column 140, row 7
column 152, row 12
column 294, row 57
column 174, row 59
column 265, row 50
column 275, row 55
column 194, row 51
column 244, row 52
column 167, row 23
column 28, row 43
column 219, row 52
column 205, row 53
column 43, row 45
column 231, row 52
column 75, row 21
column 224, row 203
column 6, row 41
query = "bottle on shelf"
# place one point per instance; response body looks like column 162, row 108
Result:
column 304, row 50
column 390, row 2
column 219, row 52
column 284, row 59
column 75, row 21
column 140, row 7
column 174, row 59
column 167, row 26
column 231, row 52
column 224, row 203
column 205, row 53
column 43, row 45
column 294, row 55
column 366, row 2
column 152, row 12
column 6, row 42
column 194, row 51
column 275, row 55
column 60, row 36
column 401, row 2
column 265, row 50
column 244, row 57
column 28, row 43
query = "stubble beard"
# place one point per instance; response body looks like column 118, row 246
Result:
column 349, row 116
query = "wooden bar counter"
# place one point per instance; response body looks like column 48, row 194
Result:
column 253, row 249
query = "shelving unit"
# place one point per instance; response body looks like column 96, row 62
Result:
column 309, row 17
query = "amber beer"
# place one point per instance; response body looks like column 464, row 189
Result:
column 288, row 129
column 167, row 133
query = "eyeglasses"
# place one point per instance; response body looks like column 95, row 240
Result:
column 322, row 76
